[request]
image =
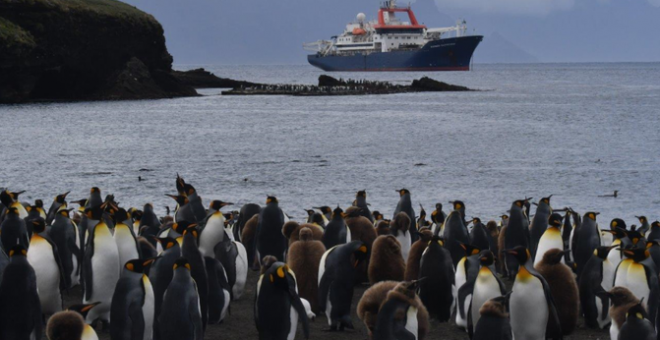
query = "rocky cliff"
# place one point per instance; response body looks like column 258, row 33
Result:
column 82, row 50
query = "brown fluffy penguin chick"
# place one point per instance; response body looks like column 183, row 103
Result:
column 303, row 258
column 621, row 299
column 65, row 325
column 383, row 228
column 386, row 262
column 247, row 238
column 367, row 308
column 415, row 254
column 361, row 229
column 291, row 230
column 406, row 291
column 563, row 288
column 266, row 262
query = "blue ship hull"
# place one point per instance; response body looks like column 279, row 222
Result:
column 451, row 54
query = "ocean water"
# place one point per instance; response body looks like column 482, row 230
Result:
column 573, row 130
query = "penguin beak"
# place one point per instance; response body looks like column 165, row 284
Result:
column 511, row 251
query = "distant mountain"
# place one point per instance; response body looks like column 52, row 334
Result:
column 495, row 49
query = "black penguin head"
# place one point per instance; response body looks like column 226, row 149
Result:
column 504, row 217
column 470, row 249
column 637, row 254
column 136, row 214
column 637, row 312
column 38, row 225
column 267, row 262
column 181, row 226
column 359, row 255
column 14, row 194
column 655, row 224
column 618, row 223
column 377, row 215
column 271, row 199
column 591, row 215
column 602, row 252
column 167, row 242
column 180, row 199
column 458, row 205
column 94, row 213
column 17, row 250
column 324, row 209
column 361, row 193
column 218, row 204
column 192, row 230
column 618, row 233
column 337, row 212
column 310, row 212
column 181, row 262
column 180, row 185
column 13, row 211
column 403, row 192
column 120, row 216
column 519, row 204
column 546, row 200
column 438, row 206
column 642, row 219
column 438, row 240
column 635, row 236
column 39, row 204
column 189, row 189
column 486, row 258
column 555, row 220
column 521, row 254
column 95, row 190
column 554, row 256
column 147, row 207
column 63, row 211
column 422, row 212
column 83, row 309
column 60, row 198
column 138, row 266
column 5, row 198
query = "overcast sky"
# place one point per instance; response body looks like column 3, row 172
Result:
column 272, row 32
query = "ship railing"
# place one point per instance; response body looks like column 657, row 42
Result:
column 322, row 47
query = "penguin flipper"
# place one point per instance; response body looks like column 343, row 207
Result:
column 463, row 292
column 298, row 305
column 470, row 325
column 324, row 291
column 87, row 272
column 553, row 317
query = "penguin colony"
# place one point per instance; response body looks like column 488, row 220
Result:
column 145, row 277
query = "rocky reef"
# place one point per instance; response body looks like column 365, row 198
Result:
column 67, row 50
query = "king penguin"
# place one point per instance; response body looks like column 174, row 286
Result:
column 45, row 261
column 585, row 240
column 539, row 225
column 401, row 229
column 277, row 306
column 193, row 254
column 455, row 234
column 516, row 235
column 485, row 286
column 361, row 202
column 621, row 301
column 13, row 230
column 551, row 238
column 180, row 317
column 269, row 240
column 219, row 290
column 598, row 274
column 66, row 237
column 532, row 307
column 402, row 315
column 213, row 230
column 101, row 270
column 466, row 271
column 132, row 311
column 337, row 276
column 437, row 270
column 641, row 278
column 20, row 309
column 405, row 205
column 160, row 275
column 58, row 202
column 336, row 231
column 127, row 244
column 638, row 326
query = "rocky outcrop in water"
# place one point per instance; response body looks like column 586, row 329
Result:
column 201, row 78
column 65, row 50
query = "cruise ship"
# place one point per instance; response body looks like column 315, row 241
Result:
column 392, row 44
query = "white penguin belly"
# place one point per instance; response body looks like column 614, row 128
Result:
column 328, row 310
column 241, row 271
column 411, row 322
column 637, row 282
column 213, row 233
column 148, row 308
column 551, row 239
column 460, row 277
column 322, row 264
column 621, row 276
column 614, row 331
column 89, row 333
column 42, row 259
column 528, row 310
column 608, row 275
column 126, row 245
column 105, row 273
column 602, row 321
column 486, row 287
column 404, row 241
column 606, row 239
column 225, row 307
column 294, row 323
